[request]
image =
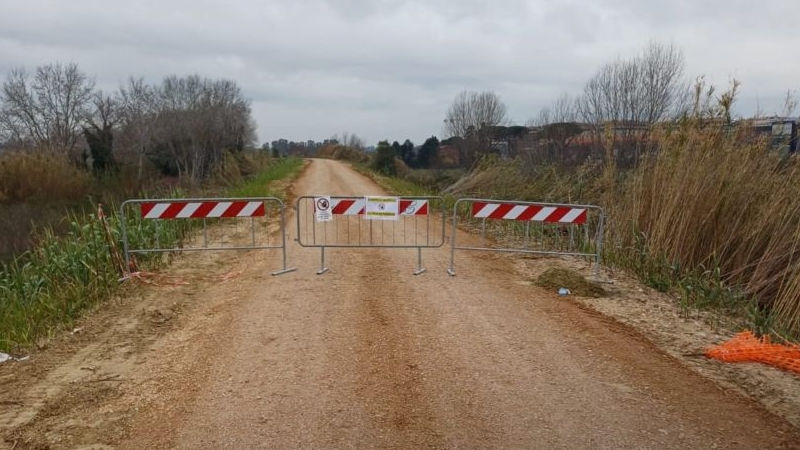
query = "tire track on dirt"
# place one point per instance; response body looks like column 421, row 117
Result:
column 390, row 380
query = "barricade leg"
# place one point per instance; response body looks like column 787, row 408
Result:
column 452, row 269
column 285, row 269
column 283, row 243
column 322, row 268
column 420, row 269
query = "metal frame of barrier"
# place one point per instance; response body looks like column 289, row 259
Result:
column 415, row 226
column 532, row 227
column 252, row 215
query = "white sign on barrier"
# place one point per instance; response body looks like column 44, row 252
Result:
column 322, row 209
column 382, row 208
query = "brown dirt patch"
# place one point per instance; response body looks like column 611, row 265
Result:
column 557, row 278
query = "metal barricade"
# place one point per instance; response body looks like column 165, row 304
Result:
column 329, row 222
column 529, row 227
column 238, row 224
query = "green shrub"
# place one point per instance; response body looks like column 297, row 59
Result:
column 384, row 159
column 50, row 286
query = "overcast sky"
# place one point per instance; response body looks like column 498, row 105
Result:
column 389, row 69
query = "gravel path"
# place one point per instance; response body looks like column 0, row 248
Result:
column 370, row 356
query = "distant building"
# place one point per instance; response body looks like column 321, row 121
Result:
column 781, row 132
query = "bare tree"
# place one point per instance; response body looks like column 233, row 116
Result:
column 790, row 103
column 472, row 117
column 99, row 132
column 183, row 126
column 195, row 122
column 473, row 111
column 643, row 90
column 557, row 127
column 629, row 96
column 356, row 142
column 106, row 110
column 136, row 113
column 563, row 110
column 351, row 140
column 47, row 109
column 20, row 120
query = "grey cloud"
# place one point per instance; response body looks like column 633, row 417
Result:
column 375, row 66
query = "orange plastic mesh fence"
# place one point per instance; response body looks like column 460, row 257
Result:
column 747, row 347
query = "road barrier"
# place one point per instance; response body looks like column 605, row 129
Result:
column 370, row 222
column 239, row 224
column 529, row 227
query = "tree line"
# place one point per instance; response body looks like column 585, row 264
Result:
column 181, row 126
column 628, row 95
column 422, row 157
column 633, row 94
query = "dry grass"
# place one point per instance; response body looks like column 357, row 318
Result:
column 35, row 188
column 40, row 176
column 343, row 152
column 710, row 201
column 709, row 214
column 518, row 181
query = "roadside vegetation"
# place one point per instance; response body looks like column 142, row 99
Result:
column 70, row 154
column 707, row 215
column 697, row 204
column 66, row 273
column 714, row 218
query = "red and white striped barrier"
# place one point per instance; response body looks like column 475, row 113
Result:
column 356, row 206
column 413, row 207
column 202, row 209
column 348, row 206
column 370, row 221
column 249, row 234
column 535, row 213
column 562, row 229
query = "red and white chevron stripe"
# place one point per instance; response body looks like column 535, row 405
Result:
column 413, row 207
column 537, row 213
column 348, row 206
column 200, row 210
column 355, row 206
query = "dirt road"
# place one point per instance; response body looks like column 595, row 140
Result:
column 365, row 356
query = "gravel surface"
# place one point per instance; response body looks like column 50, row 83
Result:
column 222, row 355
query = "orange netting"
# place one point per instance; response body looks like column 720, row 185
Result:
column 747, row 347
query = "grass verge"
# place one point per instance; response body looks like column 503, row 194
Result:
column 262, row 184
column 46, row 289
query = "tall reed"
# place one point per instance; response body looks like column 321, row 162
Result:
column 710, row 213
column 710, row 199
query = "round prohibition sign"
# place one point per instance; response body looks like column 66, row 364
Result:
column 323, row 204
